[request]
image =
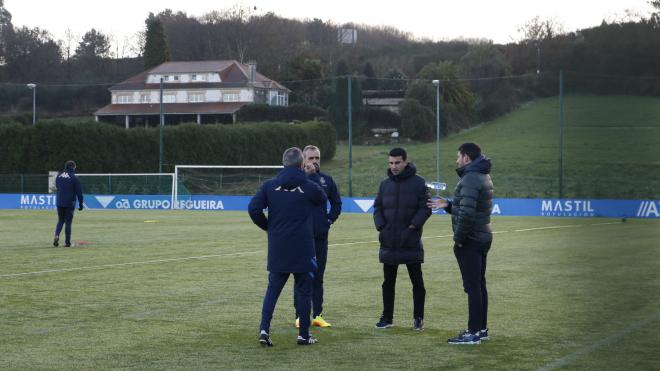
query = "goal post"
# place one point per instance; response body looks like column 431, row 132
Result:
column 213, row 180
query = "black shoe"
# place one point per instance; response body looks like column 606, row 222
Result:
column 465, row 337
column 418, row 324
column 67, row 244
column 56, row 241
column 264, row 339
column 384, row 323
column 309, row 341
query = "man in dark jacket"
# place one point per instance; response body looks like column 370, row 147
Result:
column 290, row 199
column 322, row 221
column 400, row 211
column 470, row 211
column 68, row 190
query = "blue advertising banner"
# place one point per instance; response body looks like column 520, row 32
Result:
column 502, row 206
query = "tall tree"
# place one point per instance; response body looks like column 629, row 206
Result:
column 370, row 81
column 338, row 110
column 306, row 73
column 457, row 99
column 94, row 44
column 394, row 80
column 5, row 29
column 32, row 55
column 155, row 47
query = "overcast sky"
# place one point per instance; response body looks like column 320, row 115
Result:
column 432, row 19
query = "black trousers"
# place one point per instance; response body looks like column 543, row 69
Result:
column 389, row 285
column 471, row 259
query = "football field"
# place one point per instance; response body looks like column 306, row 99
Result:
column 183, row 290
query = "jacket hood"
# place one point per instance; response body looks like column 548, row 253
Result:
column 481, row 164
column 291, row 177
column 408, row 171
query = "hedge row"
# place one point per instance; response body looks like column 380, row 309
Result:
column 103, row 148
column 264, row 112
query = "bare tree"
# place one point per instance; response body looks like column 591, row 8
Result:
column 537, row 30
column 68, row 42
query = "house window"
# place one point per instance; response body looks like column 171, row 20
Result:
column 145, row 98
column 196, row 77
column 196, row 97
column 231, row 97
column 166, row 78
column 176, row 77
column 169, row 98
column 122, row 99
column 279, row 99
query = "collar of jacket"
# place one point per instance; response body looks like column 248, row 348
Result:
column 291, row 177
column 481, row 164
column 408, row 171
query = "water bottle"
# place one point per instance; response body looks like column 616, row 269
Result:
column 437, row 186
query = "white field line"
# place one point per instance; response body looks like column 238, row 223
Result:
column 608, row 223
column 564, row 361
column 92, row 267
column 156, row 261
column 550, row 227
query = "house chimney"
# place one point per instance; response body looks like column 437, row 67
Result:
column 252, row 71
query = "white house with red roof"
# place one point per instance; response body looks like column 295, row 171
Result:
column 193, row 91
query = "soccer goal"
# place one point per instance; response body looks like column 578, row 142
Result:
column 233, row 180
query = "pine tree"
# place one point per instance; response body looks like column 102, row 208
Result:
column 156, row 50
column 338, row 110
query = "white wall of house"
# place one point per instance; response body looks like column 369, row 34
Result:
column 182, row 96
column 181, row 78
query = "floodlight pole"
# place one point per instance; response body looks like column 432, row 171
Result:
column 437, row 133
column 538, row 58
column 561, row 133
column 33, row 87
column 162, row 123
column 350, row 140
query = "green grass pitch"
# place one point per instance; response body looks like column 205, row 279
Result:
column 184, row 291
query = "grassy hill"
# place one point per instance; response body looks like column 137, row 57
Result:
column 611, row 150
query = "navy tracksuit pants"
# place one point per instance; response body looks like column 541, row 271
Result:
column 64, row 218
column 321, row 246
column 302, row 287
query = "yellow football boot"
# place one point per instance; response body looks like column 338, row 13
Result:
column 320, row 322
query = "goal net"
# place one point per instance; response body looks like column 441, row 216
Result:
column 127, row 184
column 216, row 180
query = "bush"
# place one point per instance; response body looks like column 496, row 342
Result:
column 102, row 148
column 294, row 112
column 383, row 118
column 417, row 121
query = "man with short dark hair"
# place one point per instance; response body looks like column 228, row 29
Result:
column 400, row 212
column 68, row 190
column 470, row 211
column 322, row 221
column 290, row 199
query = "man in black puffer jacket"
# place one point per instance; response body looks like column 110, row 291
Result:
column 400, row 211
column 470, row 218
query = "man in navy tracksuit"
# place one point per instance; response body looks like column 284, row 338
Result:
column 68, row 190
column 322, row 221
column 290, row 199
